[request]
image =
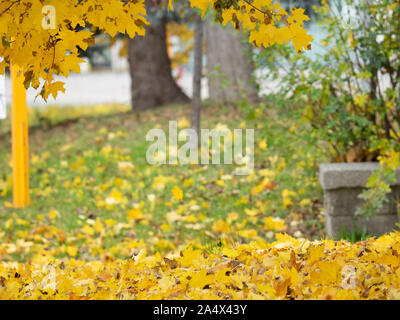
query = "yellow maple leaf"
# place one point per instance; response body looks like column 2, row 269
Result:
column 177, row 193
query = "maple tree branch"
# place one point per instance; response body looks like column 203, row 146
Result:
column 9, row 7
column 252, row 5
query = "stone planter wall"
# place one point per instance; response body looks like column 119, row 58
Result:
column 342, row 183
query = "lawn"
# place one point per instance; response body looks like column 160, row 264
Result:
column 93, row 193
column 104, row 224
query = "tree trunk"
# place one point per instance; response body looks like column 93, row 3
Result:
column 197, row 74
column 150, row 69
column 229, row 65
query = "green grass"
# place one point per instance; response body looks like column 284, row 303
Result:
column 355, row 235
column 75, row 158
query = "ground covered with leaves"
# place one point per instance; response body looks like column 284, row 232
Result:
column 286, row 269
column 105, row 224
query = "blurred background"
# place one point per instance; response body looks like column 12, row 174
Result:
column 106, row 76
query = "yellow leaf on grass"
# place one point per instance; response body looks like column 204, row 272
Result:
column 220, row 226
column 177, row 193
column 135, row 214
column 72, row 251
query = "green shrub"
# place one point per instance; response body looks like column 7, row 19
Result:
column 350, row 93
column 351, row 90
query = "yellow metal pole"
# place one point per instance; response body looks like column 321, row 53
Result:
column 20, row 143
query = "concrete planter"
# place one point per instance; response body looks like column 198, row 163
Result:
column 342, row 183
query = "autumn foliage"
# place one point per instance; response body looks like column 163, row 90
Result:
column 45, row 52
column 105, row 256
column 287, row 269
column 146, row 234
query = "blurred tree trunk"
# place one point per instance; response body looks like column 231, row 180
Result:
column 229, row 65
column 150, row 69
column 197, row 74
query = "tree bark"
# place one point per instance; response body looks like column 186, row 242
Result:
column 197, row 74
column 150, row 69
column 229, row 65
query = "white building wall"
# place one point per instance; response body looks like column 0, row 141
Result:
column 118, row 63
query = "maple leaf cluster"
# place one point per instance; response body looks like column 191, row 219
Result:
column 41, row 53
column 262, row 19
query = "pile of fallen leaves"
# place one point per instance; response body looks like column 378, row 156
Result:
column 286, row 269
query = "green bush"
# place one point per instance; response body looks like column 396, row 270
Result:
column 350, row 92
